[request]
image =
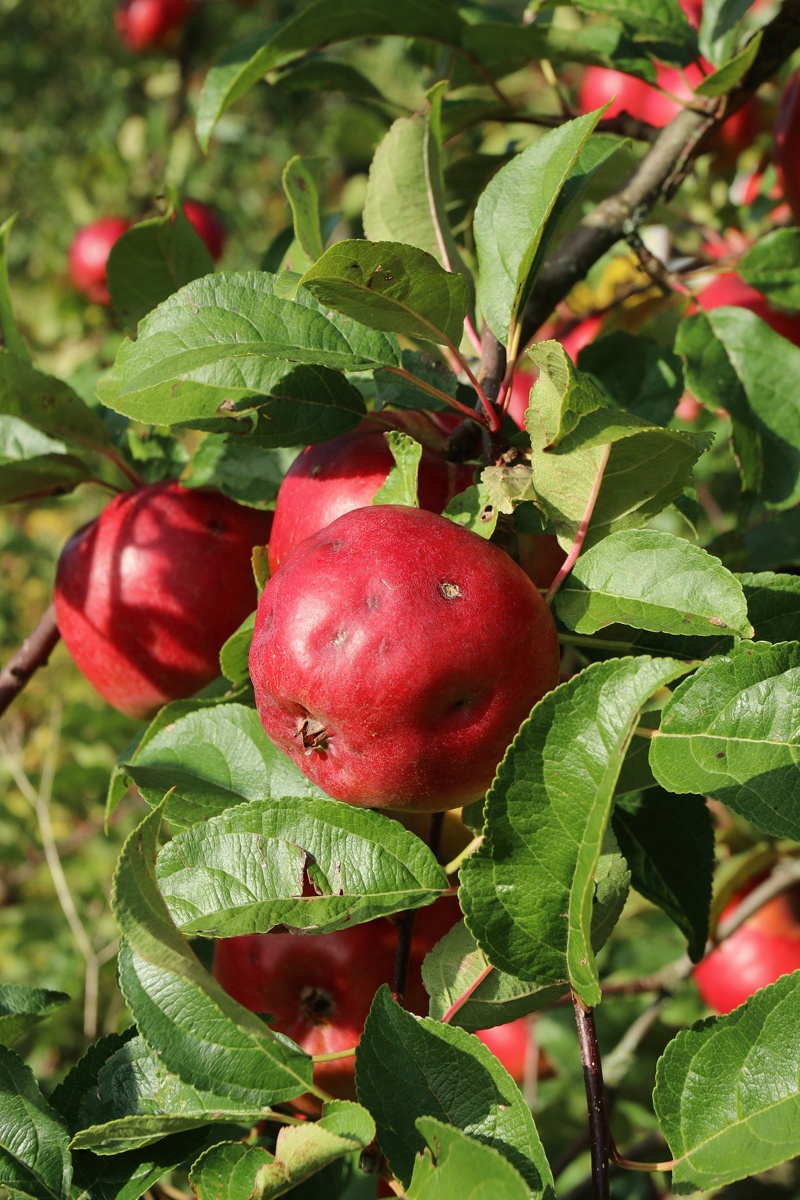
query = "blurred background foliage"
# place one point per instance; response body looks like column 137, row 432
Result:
column 88, row 130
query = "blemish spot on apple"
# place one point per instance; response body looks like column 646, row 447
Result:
column 449, row 590
column 340, row 637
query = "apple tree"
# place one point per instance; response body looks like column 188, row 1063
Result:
column 523, row 401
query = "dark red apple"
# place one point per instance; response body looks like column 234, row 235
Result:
column 88, row 257
column 786, row 141
column 396, row 654
column 146, row 595
column 334, row 477
column 208, row 223
column 762, row 949
column 151, row 24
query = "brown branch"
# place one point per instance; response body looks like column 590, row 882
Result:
column 658, row 176
column 32, row 654
column 595, row 1098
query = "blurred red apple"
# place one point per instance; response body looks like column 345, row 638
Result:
column 786, row 143
column 151, row 24
column 88, row 257
column 730, row 289
column 209, row 224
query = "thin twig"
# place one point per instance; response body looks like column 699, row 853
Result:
column 595, row 1098
column 32, row 654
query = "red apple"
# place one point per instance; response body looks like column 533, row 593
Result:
column 762, row 949
column 151, row 24
column 334, row 477
column 208, row 223
column 510, row 1044
column 395, row 655
column 88, row 257
column 146, row 595
column 318, row 988
column 729, row 289
column 786, row 140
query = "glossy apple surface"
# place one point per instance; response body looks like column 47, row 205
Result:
column 729, row 289
column 510, row 1044
column 151, row 24
column 319, row 988
column 146, row 595
column 208, row 223
column 326, row 481
column 786, row 143
column 88, row 257
column 765, row 947
column 395, row 655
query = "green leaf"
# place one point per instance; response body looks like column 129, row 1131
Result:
column 720, row 82
column 736, row 362
column 214, row 758
column 511, row 216
column 772, row 266
column 635, row 373
column 405, row 199
column 727, row 1095
column 239, row 68
column 456, row 1165
column 731, row 731
column 629, row 469
column 300, row 186
column 243, row 872
column 10, row 336
column 40, row 476
column 201, row 1034
column 392, row 287
column 22, row 1007
column 136, row 1102
column 34, row 1143
column 152, row 260
column 645, row 20
column 319, row 73
column 393, row 391
column 232, row 1170
column 652, row 580
column 668, row 843
column 80, row 1084
column 453, row 969
column 773, row 605
column 473, row 508
column 47, row 404
column 562, row 394
column 446, row 1073
column 719, row 28
column 128, row 1176
column 217, row 339
column 527, row 893
column 233, row 657
column 401, row 482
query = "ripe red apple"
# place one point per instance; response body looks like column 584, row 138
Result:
column 510, row 1044
column 729, row 289
column 146, row 595
column 647, row 103
column 762, row 949
column 208, row 223
column 88, row 257
column 151, row 24
column 318, row 988
column 396, row 654
column 786, row 135
column 332, row 478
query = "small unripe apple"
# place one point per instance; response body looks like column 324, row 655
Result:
column 146, row 595
column 395, row 655
column 786, row 143
column 88, row 257
column 329, row 479
column 764, row 947
column 151, row 24
column 208, row 224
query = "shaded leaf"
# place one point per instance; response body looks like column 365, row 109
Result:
column 300, row 186
column 22, row 1007
column 457, row 1165
column 34, row 1154
column 773, row 605
column 10, row 336
column 772, row 266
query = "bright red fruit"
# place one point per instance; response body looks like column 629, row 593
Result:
column 729, row 289
column 765, row 947
column 319, row 988
column 151, row 24
column 510, row 1044
column 647, row 103
column 208, row 223
column 146, row 595
column 786, row 143
column 396, row 654
column 88, row 257
column 332, row 478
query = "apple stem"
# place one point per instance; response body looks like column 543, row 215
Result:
column 333, row 1055
column 472, row 333
column 580, row 536
column 455, row 863
column 32, row 654
column 601, row 1144
column 464, row 409
column 405, row 934
column 631, row 1164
